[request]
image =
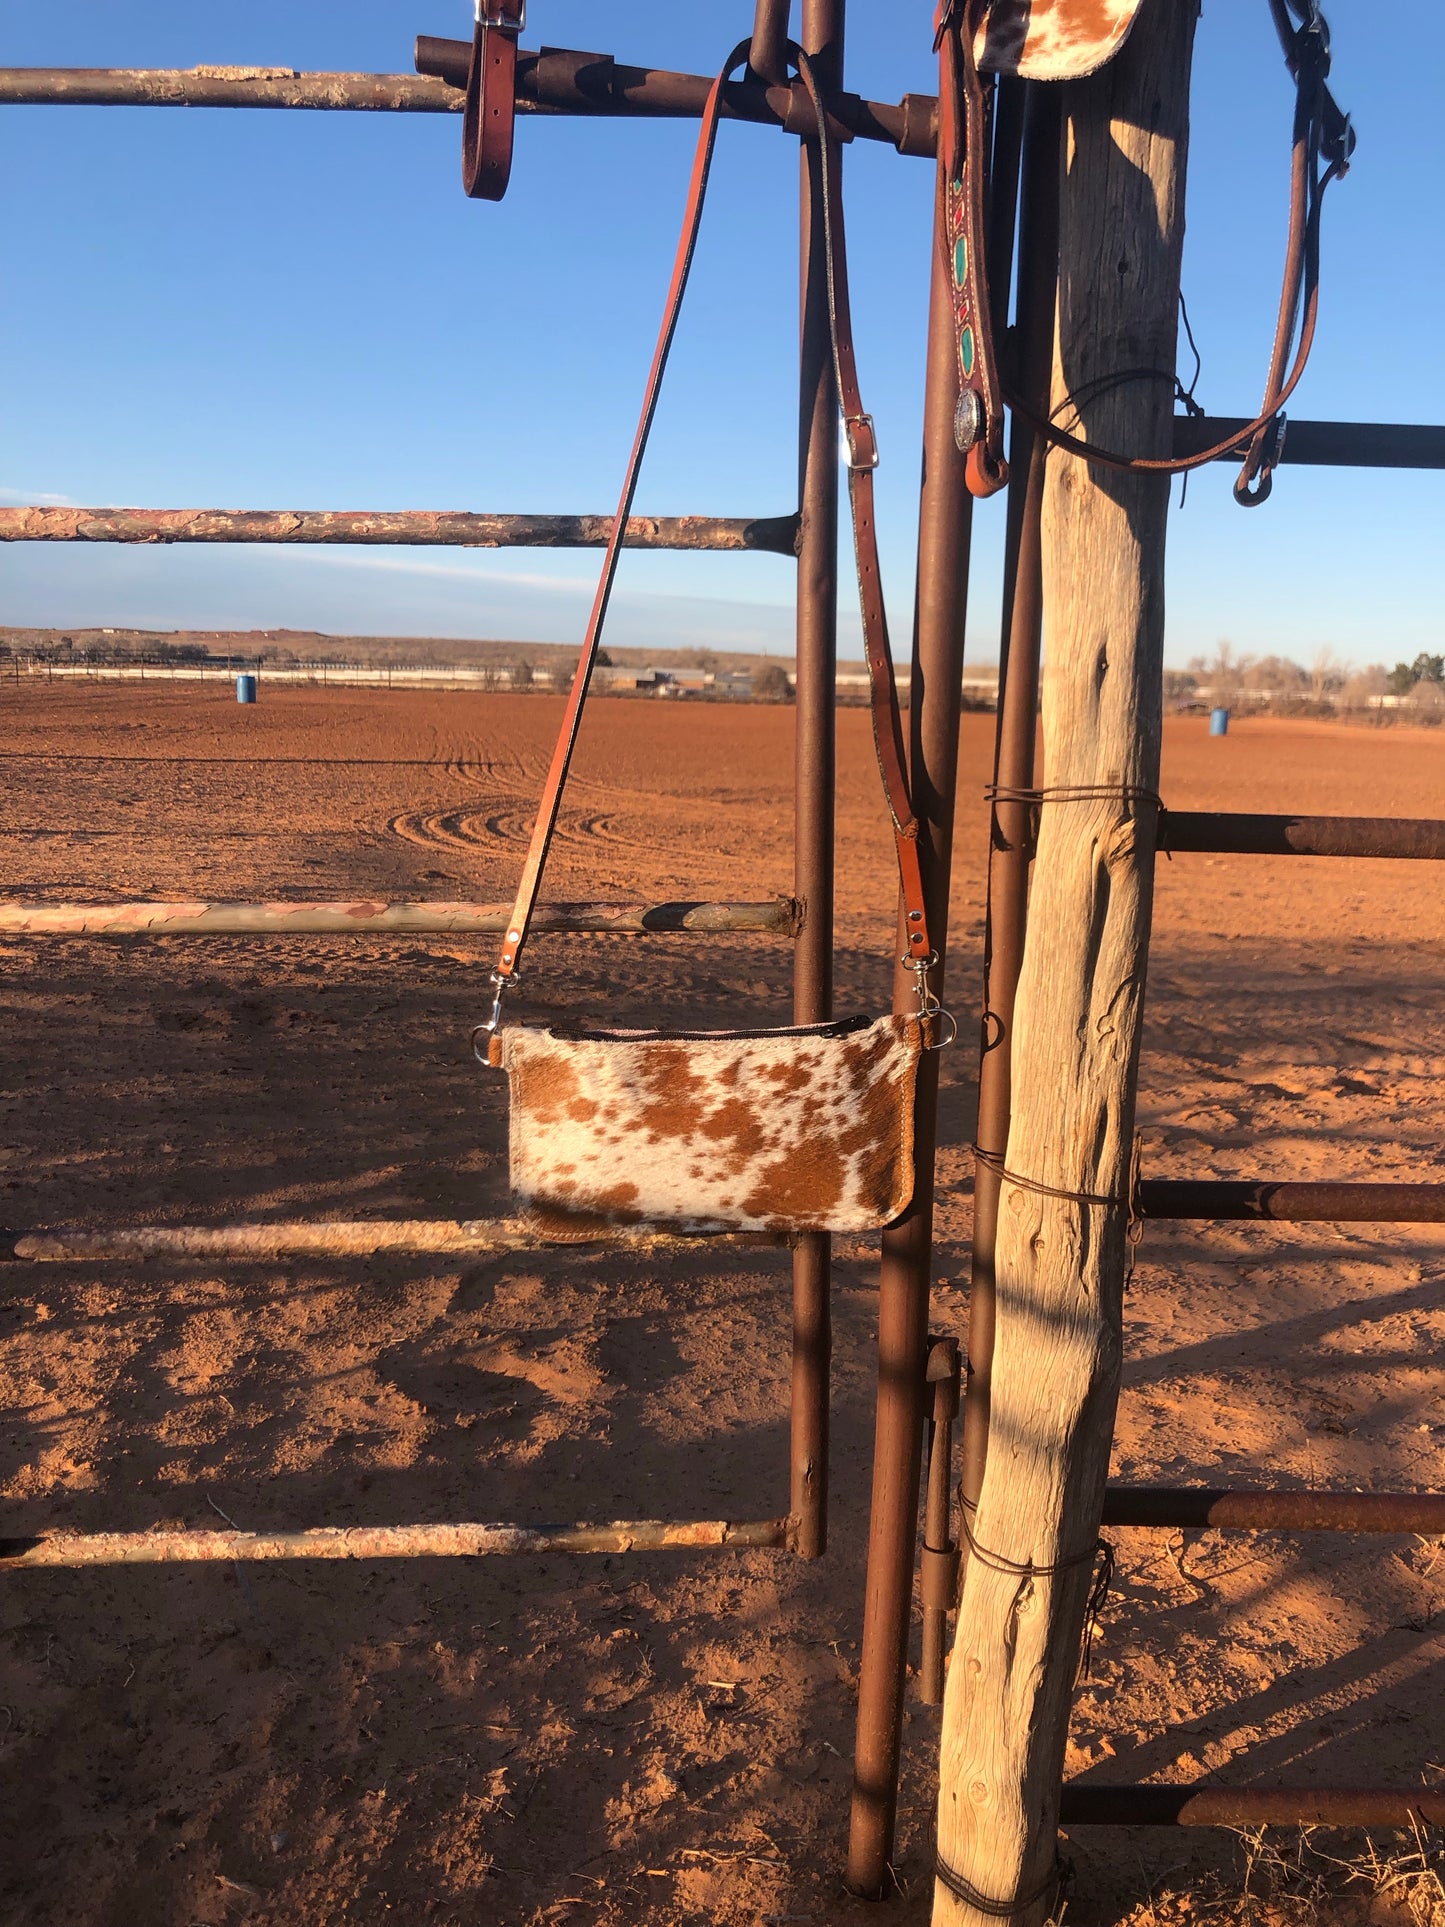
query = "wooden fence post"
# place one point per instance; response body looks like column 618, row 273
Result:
column 1062, row 1234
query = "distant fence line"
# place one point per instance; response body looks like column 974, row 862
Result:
column 980, row 691
column 715, row 686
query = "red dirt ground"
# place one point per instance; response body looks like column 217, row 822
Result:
column 663, row 1738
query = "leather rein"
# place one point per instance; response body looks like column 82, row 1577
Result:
column 862, row 448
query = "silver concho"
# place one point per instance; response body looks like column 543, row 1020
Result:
column 967, row 419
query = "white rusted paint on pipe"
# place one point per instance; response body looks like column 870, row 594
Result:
column 226, row 87
column 348, row 1238
column 163, row 1547
column 423, row 528
column 204, row 919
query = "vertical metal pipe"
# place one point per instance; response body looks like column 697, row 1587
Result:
column 814, row 771
column 945, row 522
column 766, row 56
column 940, row 1551
column 1011, row 828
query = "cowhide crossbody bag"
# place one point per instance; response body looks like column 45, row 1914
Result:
column 792, row 1129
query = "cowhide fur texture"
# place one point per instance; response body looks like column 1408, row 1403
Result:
column 753, row 1133
column 1052, row 39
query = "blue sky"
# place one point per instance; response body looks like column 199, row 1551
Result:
column 248, row 309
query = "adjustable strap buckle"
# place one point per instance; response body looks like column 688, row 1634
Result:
column 862, row 441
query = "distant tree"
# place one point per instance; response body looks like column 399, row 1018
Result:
column 1362, row 688
column 521, row 674
column 604, row 661
column 1425, row 668
column 1225, row 671
column 1274, row 676
column 1327, row 675
column 771, row 685
column 1180, row 685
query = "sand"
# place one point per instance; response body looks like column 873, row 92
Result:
column 663, row 1738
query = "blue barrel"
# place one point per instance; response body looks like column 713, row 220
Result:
column 1218, row 721
column 245, row 689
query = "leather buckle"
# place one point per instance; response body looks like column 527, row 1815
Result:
column 859, row 428
column 510, row 16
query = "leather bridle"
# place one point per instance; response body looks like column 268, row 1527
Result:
column 1323, row 141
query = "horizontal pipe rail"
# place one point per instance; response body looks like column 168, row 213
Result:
column 1231, row 833
column 1326, row 444
column 783, row 915
column 1085, row 1805
column 409, row 528
column 556, row 81
column 560, row 80
column 389, row 1542
column 1292, row 1203
column 348, row 1238
column 225, row 87
column 1163, row 1505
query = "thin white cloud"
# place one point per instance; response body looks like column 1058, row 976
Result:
column 484, row 576
column 436, row 571
column 34, row 498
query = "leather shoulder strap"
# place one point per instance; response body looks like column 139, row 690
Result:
column 862, row 460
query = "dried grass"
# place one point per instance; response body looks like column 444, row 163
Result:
column 1303, row 1880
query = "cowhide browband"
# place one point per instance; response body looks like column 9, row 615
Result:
column 862, row 460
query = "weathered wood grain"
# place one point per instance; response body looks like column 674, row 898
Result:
column 1061, row 1261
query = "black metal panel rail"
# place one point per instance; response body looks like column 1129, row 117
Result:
column 1292, row 1203
column 1087, row 1805
column 1326, row 444
column 1200, row 1506
column 1231, row 833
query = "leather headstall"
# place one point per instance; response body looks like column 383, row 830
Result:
column 491, row 107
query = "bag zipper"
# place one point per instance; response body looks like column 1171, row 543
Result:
column 583, row 1034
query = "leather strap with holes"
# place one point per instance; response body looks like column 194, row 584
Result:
column 978, row 420
column 491, row 105
column 862, row 460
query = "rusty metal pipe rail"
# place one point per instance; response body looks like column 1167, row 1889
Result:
column 1087, row 1805
column 1291, row 1203
column 410, row 528
column 1231, row 833
column 349, row 1238
column 224, row 87
column 69, row 1549
column 1198, row 1506
column 560, row 80
column 1326, row 444
column 782, row 916
column 553, row 81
